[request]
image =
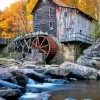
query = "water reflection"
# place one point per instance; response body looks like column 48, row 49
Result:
column 78, row 90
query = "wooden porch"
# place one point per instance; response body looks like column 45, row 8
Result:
column 76, row 37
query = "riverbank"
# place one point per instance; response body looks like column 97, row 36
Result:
column 35, row 81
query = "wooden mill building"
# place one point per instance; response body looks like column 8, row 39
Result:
column 70, row 26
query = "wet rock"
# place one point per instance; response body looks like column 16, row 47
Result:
column 91, row 56
column 79, row 70
column 45, row 96
column 56, row 81
column 93, row 62
column 96, row 61
column 34, row 75
column 7, row 76
column 29, row 63
column 36, row 68
column 12, row 68
column 8, row 92
column 35, row 96
column 11, row 85
column 2, row 98
column 21, row 78
column 53, row 65
column 57, row 71
column 84, row 60
column 72, row 79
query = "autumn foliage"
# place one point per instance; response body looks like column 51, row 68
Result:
column 17, row 18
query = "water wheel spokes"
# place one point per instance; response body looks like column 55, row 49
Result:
column 46, row 45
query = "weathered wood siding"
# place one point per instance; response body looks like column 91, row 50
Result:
column 72, row 25
column 65, row 22
column 83, row 24
column 44, row 19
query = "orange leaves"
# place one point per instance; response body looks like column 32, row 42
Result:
column 11, row 20
column 30, row 5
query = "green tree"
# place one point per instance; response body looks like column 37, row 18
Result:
column 96, row 30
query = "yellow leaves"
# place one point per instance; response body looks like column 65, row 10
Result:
column 11, row 20
column 30, row 5
column 6, row 35
column 29, row 17
column 4, row 25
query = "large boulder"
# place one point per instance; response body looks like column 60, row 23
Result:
column 12, row 68
column 57, row 71
column 31, row 65
column 7, row 76
column 21, row 78
column 91, row 56
column 8, row 93
column 80, row 71
column 73, row 70
column 2, row 98
column 11, row 85
column 34, row 75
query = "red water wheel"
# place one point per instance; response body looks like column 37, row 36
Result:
column 46, row 45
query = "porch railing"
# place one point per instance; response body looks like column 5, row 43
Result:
column 77, row 37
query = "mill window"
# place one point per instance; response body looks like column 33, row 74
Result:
column 36, row 27
column 50, row 12
column 37, row 15
column 65, row 14
column 51, row 26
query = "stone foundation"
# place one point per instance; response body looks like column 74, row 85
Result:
column 71, row 52
column 67, row 52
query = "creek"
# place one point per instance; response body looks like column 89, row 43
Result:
column 77, row 90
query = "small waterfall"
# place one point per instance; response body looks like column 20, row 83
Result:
column 31, row 81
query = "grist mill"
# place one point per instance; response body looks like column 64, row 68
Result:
column 60, row 32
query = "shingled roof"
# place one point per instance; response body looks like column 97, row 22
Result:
column 57, row 2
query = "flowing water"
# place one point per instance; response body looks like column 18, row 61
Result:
column 79, row 90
